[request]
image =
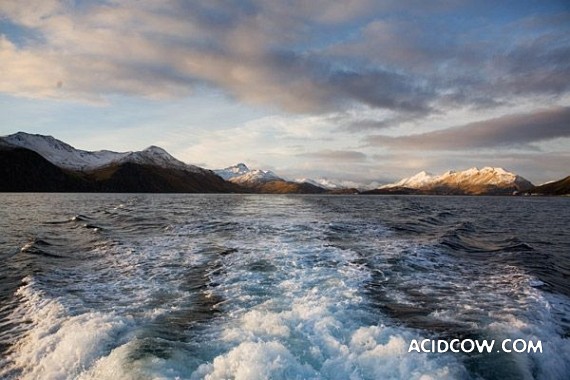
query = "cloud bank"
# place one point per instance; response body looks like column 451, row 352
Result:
column 511, row 130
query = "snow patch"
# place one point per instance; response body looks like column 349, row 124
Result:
column 240, row 173
column 415, row 182
column 321, row 182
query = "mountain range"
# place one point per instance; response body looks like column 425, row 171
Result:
column 38, row 163
column 265, row 181
column 474, row 181
column 43, row 163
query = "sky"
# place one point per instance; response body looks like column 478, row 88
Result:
column 365, row 91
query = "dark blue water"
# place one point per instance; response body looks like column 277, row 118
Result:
column 99, row 286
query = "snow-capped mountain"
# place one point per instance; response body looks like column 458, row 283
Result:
column 43, row 163
column 470, row 181
column 67, row 157
column 265, row 181
column 415, row 182
column 232, row 171
column 241, row 174
column 61, row 154
column 325, row 183
column 154, row 155
column 485, row 176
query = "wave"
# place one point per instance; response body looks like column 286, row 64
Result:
column 40, row 247
column 477, row 243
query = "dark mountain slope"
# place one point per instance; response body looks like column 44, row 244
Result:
column 140, row 178
column 285, row 187
column 24, row 170
column 560, row 187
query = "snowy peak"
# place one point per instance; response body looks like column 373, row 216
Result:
column 485, row 176
column 256, row 176
column 153, row 149
column 470, row 181
column 154, row 155
column 62, row 154
column 233, row 171
column 67, row 157
column 40, row 142
column 415, row 182
column 240, row 173
column 325, row 183
column 241, row 168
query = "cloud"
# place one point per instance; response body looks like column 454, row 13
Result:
column 300, row 56
column 147, row 50
column 412, row 60
column 335, row 155
column 365, row 124
column 510, row 130
column 478, row 65
column 539, row 65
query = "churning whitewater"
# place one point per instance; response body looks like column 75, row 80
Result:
column 111, row 286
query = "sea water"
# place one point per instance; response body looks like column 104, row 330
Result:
column 131, row 286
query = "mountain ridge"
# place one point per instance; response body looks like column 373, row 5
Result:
column 243, row 175
column 559, row 187
column 33, row 162
column 43, row 163
column 66, row 156
column 472, row 181
column 265, row 181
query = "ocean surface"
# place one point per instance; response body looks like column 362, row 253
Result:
column 128, row 286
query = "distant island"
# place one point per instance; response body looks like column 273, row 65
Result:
column 38, row 163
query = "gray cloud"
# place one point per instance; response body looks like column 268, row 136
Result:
column 482, row 66
column 508, row 130
column 361, row 125
column 286, row 54
column 381, row 89
column 540, row 66
column 336, row 155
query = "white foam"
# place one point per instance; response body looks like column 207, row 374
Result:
column 256, row 361
column 541, row 325
column 506, row 301
column 310, row 343
column 313, row 327
column 67, row 338
column 57, row 345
